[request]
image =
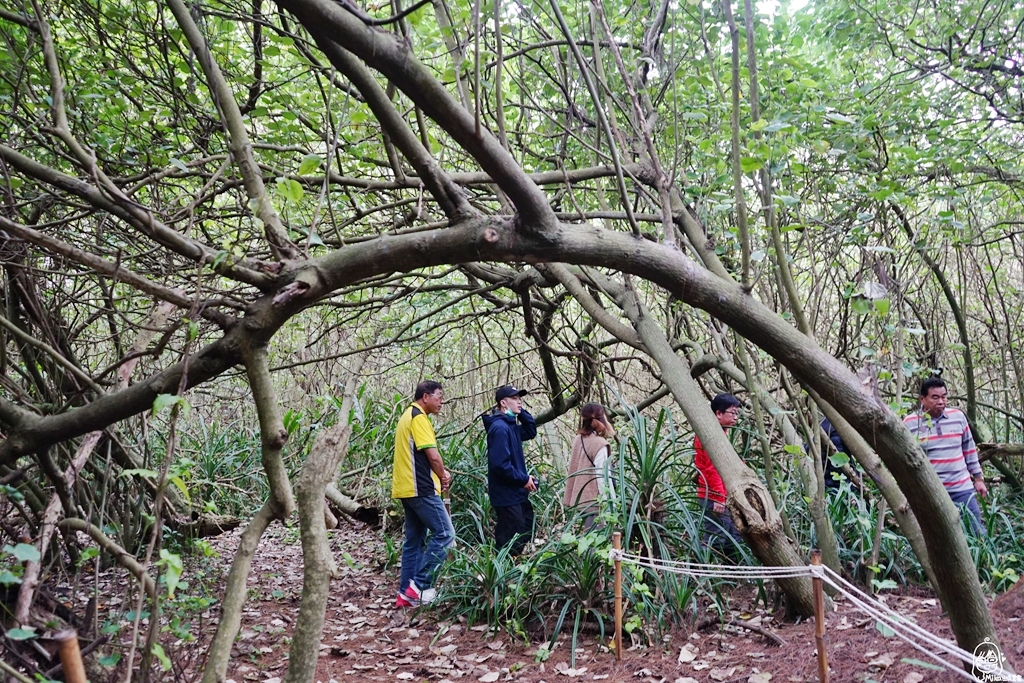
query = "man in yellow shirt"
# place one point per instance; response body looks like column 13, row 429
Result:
column 418, row 477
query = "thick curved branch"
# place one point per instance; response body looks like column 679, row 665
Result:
column 493, row 239
column 392, row 56
column 448, row 195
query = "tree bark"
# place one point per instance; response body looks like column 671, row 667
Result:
column 219, row 653
column 317, row 473
column 887, row 486
column 748, row 500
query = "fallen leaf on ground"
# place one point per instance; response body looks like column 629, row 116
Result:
column 686, row 656
column 489, row 677
column 762, row 677
column 722, row 674
column 913, row 677
column 565, row 670
column 883, row 662
column 686, row 680
column 404, row 676
column 642, row 673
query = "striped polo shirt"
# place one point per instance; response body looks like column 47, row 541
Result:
column 949, row 445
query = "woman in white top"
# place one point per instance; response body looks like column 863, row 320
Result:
column 588, row 464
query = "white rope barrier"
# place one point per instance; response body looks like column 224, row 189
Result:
column 903, row 627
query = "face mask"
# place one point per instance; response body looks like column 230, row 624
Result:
column 509, row 413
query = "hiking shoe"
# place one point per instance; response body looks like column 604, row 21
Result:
column 428, row 595
column 410, row 598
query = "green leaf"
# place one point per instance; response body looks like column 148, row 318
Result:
column 883, row 629
column 179, row 483
column 748, row 164
column 173, row 568
column 884, row 584
column 792, row 449
column 861, row 306
column 290, row 190
column 7, row 578
column 22, row 633
column 923, row 665
column 178, row 164
column 310, row 163
column 881, row 306
column 158, row 652
column 164, row 401
column 25, row 552
column 110, row 660
column 839, row 459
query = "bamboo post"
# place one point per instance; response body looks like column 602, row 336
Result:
column 617, row 545
column 71, row 656
column 819, row 620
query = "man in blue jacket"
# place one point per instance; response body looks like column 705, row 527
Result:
column 508, row 483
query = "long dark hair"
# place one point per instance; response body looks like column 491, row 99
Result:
column 592, row 419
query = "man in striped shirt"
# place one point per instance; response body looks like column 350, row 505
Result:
column 946, row 439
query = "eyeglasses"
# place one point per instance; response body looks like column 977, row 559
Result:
column 734, row 413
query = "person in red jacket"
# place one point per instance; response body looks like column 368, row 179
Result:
column 719, row 530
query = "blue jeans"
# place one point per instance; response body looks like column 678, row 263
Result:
column 422, row 557
column 969, row 500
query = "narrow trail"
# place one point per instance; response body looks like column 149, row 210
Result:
column 366, row 638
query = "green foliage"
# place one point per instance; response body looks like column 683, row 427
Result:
column 564, row 582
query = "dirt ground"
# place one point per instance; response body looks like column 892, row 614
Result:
column 367, row 639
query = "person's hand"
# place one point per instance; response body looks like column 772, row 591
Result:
column 446, row 481
column 531, row 485
column 719, row 508
column 979, row 486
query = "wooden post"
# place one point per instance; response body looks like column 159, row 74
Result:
column 71, row 656
column 617, row 545
column 819, row 620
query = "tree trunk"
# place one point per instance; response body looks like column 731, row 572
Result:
column 876, row 471
column 234, row 595
column 317, row 473
column 748, row 500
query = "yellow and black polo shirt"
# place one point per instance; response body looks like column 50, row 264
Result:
column 412, row 476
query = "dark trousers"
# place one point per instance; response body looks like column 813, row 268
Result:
column 720, row 531
column 513, row 527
